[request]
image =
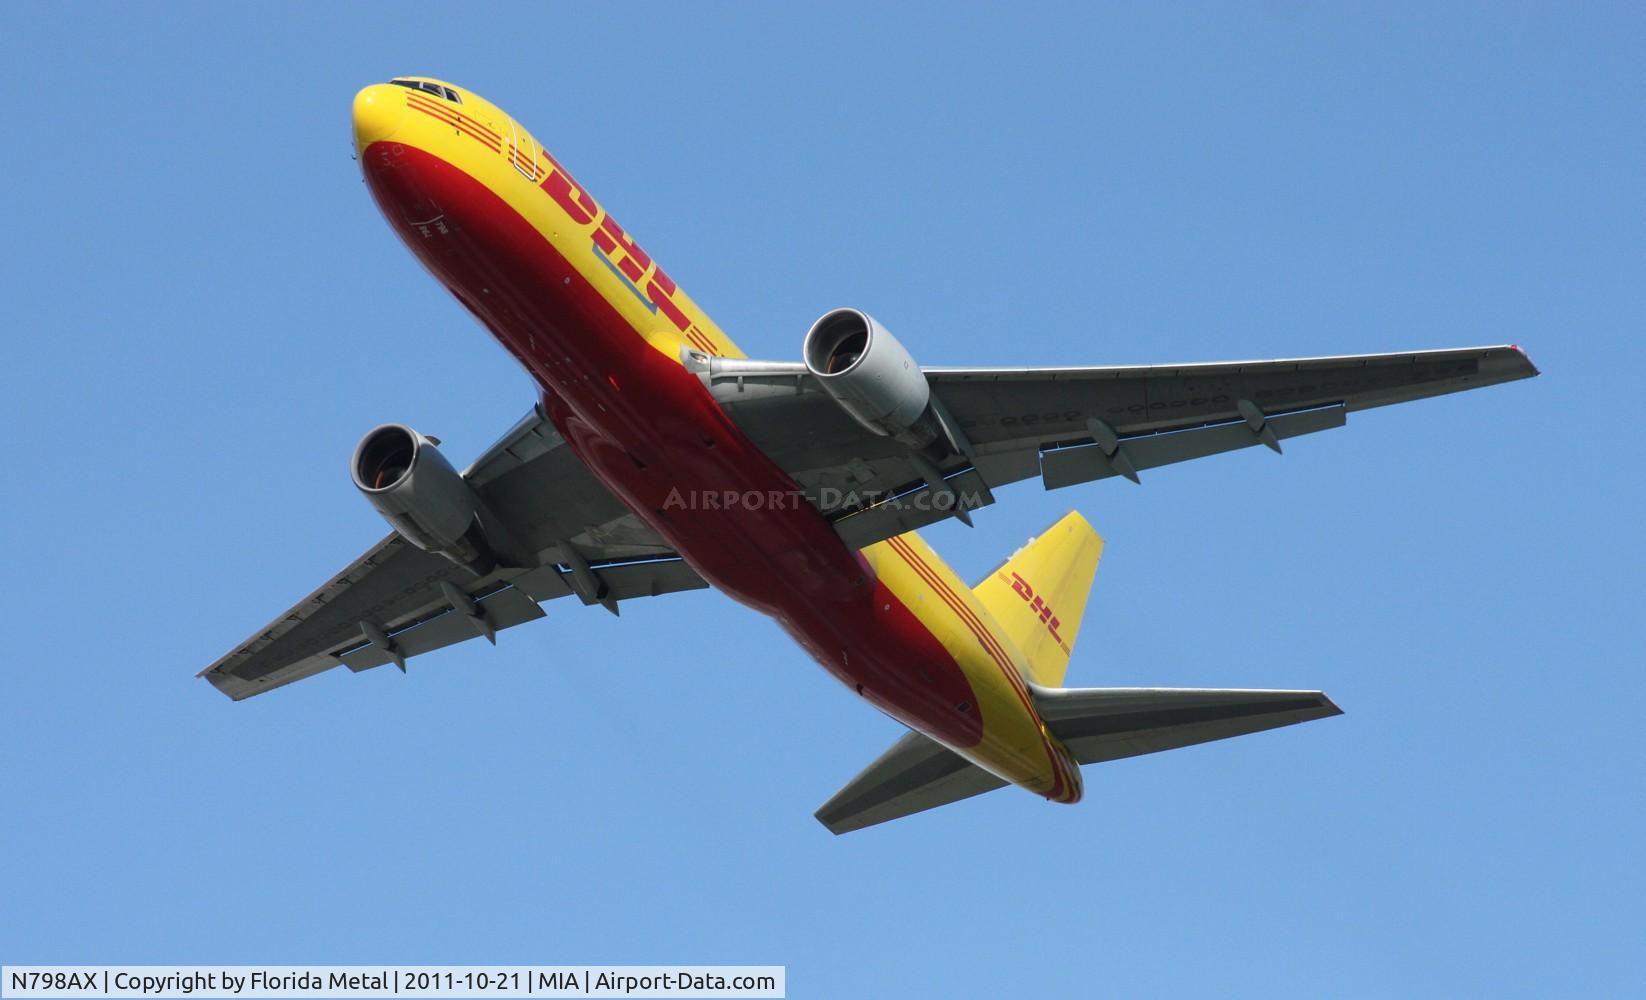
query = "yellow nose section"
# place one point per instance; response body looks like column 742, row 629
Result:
column 378, row 110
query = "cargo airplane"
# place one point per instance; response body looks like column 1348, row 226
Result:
column 658, row 458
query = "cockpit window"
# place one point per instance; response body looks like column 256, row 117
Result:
column 445, row 93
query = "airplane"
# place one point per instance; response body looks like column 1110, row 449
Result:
column 659, row 458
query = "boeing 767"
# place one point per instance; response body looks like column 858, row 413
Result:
column 658, row 458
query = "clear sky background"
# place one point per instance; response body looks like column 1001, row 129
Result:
column 203, row 311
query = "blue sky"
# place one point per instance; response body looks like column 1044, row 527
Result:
column 203, row 311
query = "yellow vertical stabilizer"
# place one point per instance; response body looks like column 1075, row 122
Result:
column 1039, row 595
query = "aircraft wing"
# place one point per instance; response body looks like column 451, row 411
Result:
column 1070, row 425
column 396, row 601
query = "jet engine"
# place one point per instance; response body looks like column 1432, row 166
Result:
column 423, row 498
column 859, row 363
column 866, row 370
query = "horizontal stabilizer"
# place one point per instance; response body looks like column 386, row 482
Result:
column 1096, row 724
column 916, row 774
column 1101, row 724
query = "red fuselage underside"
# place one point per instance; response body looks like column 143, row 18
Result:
column 646, row 427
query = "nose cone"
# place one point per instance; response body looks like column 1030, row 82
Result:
column 377, row 113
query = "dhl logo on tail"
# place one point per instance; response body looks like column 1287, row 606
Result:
column 1043, row 617
column 1039, row 606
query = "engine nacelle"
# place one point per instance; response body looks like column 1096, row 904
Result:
column 422, row 497
column 871, row 376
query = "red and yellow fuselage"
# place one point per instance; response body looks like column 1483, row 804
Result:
column 603, row 330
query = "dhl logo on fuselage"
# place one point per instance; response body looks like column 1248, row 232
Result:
column 616, row 249
column 613, row 247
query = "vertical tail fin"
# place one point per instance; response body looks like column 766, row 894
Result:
column 1039, row 595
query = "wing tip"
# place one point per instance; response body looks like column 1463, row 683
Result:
column 836, row 827
column 1532, row 371
column 1507, row 363
column 231, row 687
